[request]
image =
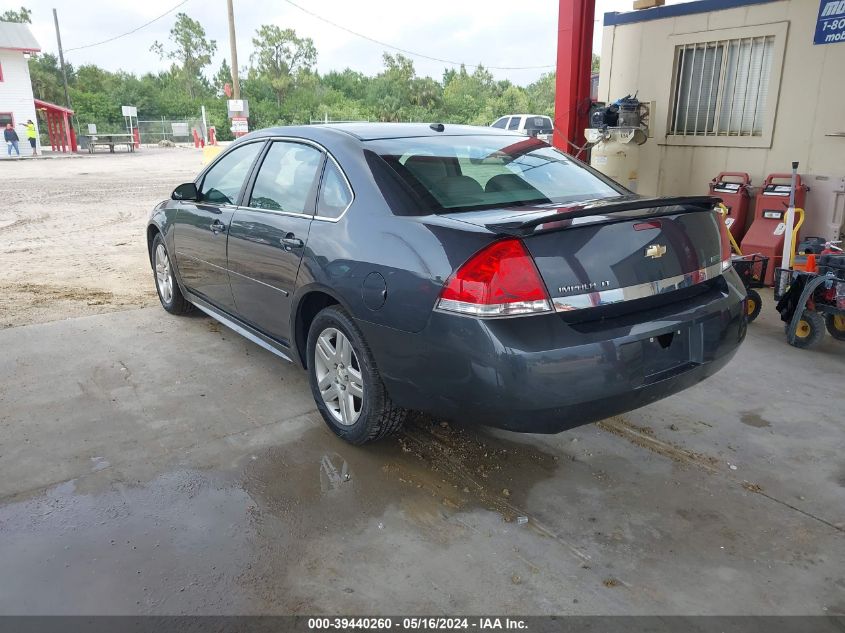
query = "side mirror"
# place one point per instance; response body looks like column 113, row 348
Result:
column 186, row 191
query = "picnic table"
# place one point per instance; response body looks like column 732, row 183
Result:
column 110, row 140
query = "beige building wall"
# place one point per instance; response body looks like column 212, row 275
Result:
column 807, row 100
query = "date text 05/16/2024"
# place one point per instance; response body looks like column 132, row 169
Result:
column 418, row 624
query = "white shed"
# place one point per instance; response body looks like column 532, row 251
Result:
column 16, row 100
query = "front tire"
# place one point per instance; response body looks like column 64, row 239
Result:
column 345, row 380
column 167, row 287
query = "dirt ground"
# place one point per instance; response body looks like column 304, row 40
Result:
column 72, row 231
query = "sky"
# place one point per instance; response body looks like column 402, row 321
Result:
column 495, row 33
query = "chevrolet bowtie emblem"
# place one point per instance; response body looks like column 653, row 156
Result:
column 655, row 250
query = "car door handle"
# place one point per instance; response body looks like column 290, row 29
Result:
column 217, row 226
column 290, row 241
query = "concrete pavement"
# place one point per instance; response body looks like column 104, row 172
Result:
column 155, row 464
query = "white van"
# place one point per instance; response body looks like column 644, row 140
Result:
column 528, row 124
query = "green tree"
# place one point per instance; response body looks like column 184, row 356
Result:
column 541, row 95
column 223, row 77
column 280, row 55
column 426, row 93
column 391, row 92
column 191, row 52
column 349, row 83
column 514, row 99
column 23, row 16
column 467, row 97
column 46, row 76
column 595, row 64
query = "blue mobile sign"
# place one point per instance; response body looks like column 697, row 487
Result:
column 830, row 25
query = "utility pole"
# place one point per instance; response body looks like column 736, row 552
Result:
column 62, row 58
column 236, row 84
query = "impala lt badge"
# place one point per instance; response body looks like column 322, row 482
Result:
column 655, row 251
column 587, row 287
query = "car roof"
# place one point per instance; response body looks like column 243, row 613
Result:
column 525, row 115
column 374, row 131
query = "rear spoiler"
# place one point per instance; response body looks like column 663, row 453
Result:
column 621, row 210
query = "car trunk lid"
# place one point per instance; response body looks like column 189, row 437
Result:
column 597, row 253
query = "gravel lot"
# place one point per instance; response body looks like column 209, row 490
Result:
column 72, row 231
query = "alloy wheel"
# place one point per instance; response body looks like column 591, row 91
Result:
column 339, row 376
column 164, row 276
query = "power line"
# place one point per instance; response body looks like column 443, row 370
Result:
column 406, row 51
column 135, row 30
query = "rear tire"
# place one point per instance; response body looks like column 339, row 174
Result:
column 754, row 304
column 167, row 287
column 345, row 380
column 810, row 330
column 836, row 326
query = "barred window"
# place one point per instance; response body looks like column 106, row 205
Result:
column 721, row 87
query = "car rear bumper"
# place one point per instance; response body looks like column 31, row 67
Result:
column 541, row 374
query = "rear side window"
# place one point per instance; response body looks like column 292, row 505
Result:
column 335, row 194
column 286, row 178
column 501, row 123
column 222, row 184
column 514, row 124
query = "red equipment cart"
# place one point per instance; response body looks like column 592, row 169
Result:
column 735, row 196
column 766, row 234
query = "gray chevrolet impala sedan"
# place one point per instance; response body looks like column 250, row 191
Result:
column 468, row 272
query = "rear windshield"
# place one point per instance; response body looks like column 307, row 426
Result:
column 538, row 125
column 454, row 173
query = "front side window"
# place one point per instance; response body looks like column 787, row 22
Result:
column 461, row 173
column 722, row 87
column 501, row 123
column 514, row 123
column 222, row 184
column 286, row 178
column 335, row 194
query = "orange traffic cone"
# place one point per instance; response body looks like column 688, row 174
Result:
column 811, row 267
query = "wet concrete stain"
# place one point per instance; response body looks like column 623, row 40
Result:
column 644, row 437
column 167, row 546
column 332, row 515
column 275, row 533
column 753, row 418
column 840, row 477
column 450, row 467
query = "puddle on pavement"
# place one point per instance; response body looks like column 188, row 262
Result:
column 329, row 514
column 446, row 468
column 251, row 538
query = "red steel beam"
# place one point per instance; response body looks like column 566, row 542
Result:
column 572, row 82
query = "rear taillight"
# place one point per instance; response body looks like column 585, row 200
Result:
column 726, row 241
column 499, row 280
